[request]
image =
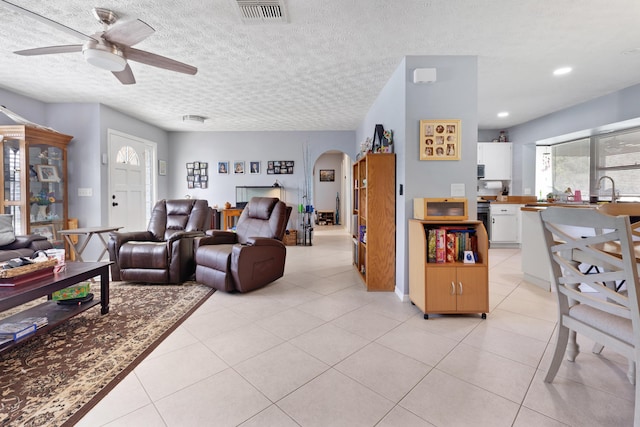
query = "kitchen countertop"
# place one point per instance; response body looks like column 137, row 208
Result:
column 533, row 207
column 517, row 200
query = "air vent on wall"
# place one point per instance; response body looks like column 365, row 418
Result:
column 262, row 11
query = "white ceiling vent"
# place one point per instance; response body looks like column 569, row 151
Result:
column 262, row 11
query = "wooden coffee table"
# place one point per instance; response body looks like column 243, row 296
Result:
column 74, row 273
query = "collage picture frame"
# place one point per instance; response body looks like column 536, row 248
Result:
column 280, row 167
column 440, row 139
column 197, row 175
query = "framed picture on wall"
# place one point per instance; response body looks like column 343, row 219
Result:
column 254, row 167
column 238, row 167
column 278, row 167
column 439, row 140
column 327, row 175
column 223, row 167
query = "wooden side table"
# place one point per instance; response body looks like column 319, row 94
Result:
column 228, row 215
column 88, row 232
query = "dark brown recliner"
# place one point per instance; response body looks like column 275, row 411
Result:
column 163, row 253
column 250, row 258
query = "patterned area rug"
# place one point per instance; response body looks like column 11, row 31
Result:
column 57, row 377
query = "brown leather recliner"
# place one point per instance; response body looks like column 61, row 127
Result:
column 163, row 253
column 250, row 258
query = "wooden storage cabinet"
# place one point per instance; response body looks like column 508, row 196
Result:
column 34, row 165
column 448, row 287
column 374, row 229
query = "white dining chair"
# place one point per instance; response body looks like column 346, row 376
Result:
column 606, row 316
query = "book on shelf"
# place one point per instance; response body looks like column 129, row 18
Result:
column 451, row 251
column 448, row 244
column 363, row 233
column 431, row 246
column 441, row 245
column 16, row 330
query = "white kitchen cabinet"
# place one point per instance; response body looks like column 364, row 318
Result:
column 505, row 224
column 497, row 160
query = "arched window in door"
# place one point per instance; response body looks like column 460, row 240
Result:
column 128, row 155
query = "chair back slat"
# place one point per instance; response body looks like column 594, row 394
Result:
column 578, row 236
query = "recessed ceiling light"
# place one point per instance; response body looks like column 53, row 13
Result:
column 562, row 71
column 503, row 114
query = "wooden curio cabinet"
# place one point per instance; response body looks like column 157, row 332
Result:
column 34, row 180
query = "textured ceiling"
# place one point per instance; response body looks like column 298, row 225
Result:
column 324, row 68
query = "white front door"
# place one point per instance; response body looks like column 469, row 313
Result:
column 128, row 158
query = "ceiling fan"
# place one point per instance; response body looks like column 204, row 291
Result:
column 108, row 49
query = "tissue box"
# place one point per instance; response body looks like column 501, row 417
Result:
column 77, row 291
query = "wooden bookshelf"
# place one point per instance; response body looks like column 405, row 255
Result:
column 374, row 210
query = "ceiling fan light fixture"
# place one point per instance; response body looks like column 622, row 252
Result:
column 193, row 118
column 108, row 58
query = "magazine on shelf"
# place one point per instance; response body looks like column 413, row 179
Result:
column 15, row 331
column 38, row 321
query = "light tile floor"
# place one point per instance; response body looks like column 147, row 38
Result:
column 316, row 349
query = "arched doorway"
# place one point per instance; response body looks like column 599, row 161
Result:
column 331, row 191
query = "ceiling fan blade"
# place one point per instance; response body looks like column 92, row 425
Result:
column 154, row 60
column 47, row 21
column 125, row 76
column 129, row 33
column 50, row 49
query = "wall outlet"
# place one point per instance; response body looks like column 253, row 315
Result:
column 85, row 192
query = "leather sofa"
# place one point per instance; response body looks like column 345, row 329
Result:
column 163, row 253
column 24, row 246
column 250, row 258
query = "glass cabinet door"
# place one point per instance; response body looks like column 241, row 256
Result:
column 34, row 180
column 13, row 185
column 46, row 190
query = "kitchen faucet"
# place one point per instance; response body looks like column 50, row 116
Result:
column 613, row 187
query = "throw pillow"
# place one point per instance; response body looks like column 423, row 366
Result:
column 7, row 234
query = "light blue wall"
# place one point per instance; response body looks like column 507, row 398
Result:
column 581, row 120
column 400, row 106
column 30, row 109
column 83, row 165
column 212, row 147
column 325, row 192
column 88, row 124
